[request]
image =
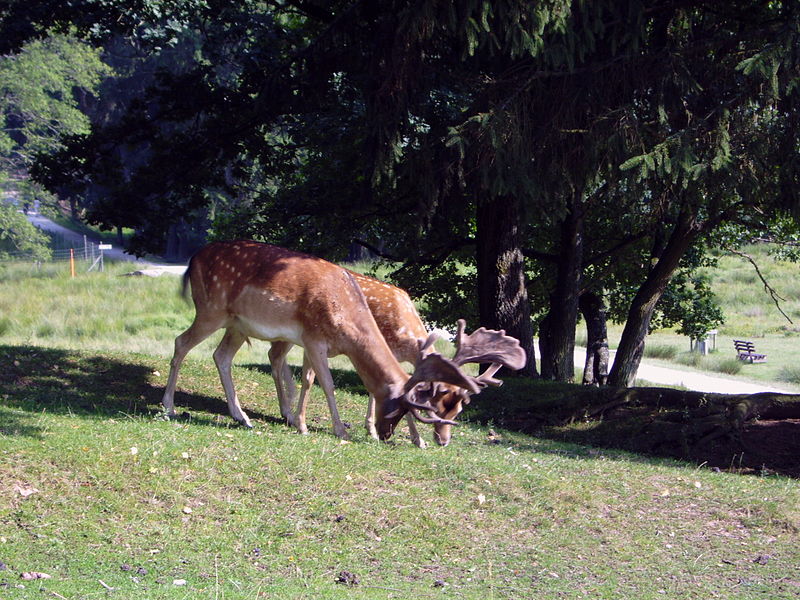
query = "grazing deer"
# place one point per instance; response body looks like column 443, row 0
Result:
column 404, row 332
column 270, row 293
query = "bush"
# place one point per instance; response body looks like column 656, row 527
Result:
column 728, row 365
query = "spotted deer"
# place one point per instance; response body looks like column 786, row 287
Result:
column 404, row 332
column 255, row 290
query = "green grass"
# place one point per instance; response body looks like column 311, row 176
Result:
column 717, row 362
column 107, row 310
column 660, row 351
column 136, row 502
column 105, row 236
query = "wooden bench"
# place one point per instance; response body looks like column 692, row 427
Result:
column 746, row 351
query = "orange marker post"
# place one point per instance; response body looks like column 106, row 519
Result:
column 72, row 262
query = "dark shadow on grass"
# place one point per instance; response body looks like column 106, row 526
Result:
column 343, row 380
column 36, row 380
column 15, row 423
column 643, row 432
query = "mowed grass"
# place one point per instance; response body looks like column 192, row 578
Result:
column 111, row 501
column 98, row 491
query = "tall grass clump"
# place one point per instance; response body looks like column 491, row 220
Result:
column 712, row 362
column 6, row 325
column 661, row 351
column 790, row 374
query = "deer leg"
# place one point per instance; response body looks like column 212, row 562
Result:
column 317, row 355
column 305, row 393
column 369, row 423
column 223, row 356
column 282, row 375
column 414, row 433
column 198, row 331
column 412, row 425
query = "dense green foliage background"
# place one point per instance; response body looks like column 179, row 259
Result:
column 506, row 158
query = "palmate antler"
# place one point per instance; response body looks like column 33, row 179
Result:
column 488, row 346
column 481, row 346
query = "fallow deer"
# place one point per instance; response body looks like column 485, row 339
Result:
column 404, row 332
column 270, row 293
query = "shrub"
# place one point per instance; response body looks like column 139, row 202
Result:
column 728, row 365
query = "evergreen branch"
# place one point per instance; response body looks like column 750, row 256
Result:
column 620, row 245
column 776, row 298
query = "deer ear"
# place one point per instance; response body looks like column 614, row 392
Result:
column 436, row 367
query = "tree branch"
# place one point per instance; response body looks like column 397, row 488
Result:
column 769, row 289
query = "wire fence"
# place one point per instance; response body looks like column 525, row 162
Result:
column 87, row 256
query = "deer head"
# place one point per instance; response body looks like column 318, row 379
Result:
column 444, row 398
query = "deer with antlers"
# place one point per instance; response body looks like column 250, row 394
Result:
column 404, row 332
column 255, row 290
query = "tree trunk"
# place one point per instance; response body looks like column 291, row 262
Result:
column 637, row 326
column 557, row 333
column 595, row 370
column 502, row 295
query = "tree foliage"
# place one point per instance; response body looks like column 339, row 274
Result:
column 45, row 93
column 18, row 237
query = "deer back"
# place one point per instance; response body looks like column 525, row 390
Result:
column 272, row 293
column 396, row 316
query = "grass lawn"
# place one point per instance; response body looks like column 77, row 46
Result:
column 109, row 500
column 99, row 492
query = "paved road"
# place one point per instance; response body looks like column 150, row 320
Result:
column 48, row 225
column 691, row 380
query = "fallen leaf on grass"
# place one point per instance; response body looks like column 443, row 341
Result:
column 31, row 575
column 25, row 490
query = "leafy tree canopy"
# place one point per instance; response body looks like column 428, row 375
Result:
column 45, row 90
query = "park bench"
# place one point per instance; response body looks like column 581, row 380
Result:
column 746, row 351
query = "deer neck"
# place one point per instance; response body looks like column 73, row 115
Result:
column 380, row 372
